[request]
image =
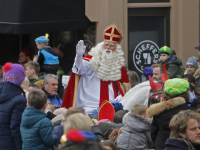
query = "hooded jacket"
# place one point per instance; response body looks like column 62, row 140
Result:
column 12, row 105
column 162, row 113
column 135, row 135
column 36, row 130
column 173, row 67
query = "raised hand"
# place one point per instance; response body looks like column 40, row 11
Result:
column 80, row 48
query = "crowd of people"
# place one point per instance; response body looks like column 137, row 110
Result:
column 37, row 113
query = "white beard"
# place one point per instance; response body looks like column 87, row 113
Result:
column 107, row 65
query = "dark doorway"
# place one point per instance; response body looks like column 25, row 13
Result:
column 148, row 30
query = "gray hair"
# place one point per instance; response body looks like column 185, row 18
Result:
column 50, row 76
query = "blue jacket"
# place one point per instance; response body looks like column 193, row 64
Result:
column 36, row 130
column 12, row 105
column 50, row 55
column 48, row 60
column 56, row 101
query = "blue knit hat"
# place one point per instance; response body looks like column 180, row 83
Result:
column 42, row 39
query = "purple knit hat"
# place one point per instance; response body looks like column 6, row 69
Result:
column 148, row 71
column 14, row 73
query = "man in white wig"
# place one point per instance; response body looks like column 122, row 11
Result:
column 100, row 76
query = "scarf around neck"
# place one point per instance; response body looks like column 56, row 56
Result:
column 188, row 143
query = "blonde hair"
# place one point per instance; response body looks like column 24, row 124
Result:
column 33, row 65
column 159, row 66
column 77, row 121
column 25, row 84
column 139, row 109
column 178, row 123
column 45, row 43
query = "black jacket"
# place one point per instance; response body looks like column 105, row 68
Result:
column 162, row 113
column 98, row 133
column 12, row 105
column 175, row 144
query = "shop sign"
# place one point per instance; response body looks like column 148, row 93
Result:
column 145, row 54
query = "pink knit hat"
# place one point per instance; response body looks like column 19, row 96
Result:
column 14, row 73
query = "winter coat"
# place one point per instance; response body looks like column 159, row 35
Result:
column 97, row 131
column 36, row 130
column 162, row 113
column 173, row 67
column 56, row 101
column 197, row 76
column 175, row 144
column 48, row 60
column 57, row 133
column 12, row 105
column 135, row 135
column 39, row 81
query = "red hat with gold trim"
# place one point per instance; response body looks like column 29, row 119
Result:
column 106, row 111
column 113, row 33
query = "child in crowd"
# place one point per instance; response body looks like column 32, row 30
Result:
column 136, row 131
column 173, row 63
column 36, row 129
column 79, row 136
column 25, row 85
column 47, row 56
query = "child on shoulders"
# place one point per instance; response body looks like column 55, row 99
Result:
column 47, row 56
column 173, row 63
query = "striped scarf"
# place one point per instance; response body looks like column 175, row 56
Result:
column 189, row 144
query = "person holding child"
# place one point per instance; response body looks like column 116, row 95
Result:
column 12, row 105
column 173, row 63
column 47, row 56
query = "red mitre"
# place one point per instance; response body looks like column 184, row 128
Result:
column 106, row 111
column 113, row 34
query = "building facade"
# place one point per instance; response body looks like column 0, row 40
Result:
column 147, row 26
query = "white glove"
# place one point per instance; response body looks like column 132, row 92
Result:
column 80, row 48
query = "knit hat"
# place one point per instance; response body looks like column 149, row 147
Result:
column 105, row 127
column 165, row 49
column 192, row 61
column 148, row 71
column 14, row 73
column 176, row 86
column 194, row 58
column 42, row 39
